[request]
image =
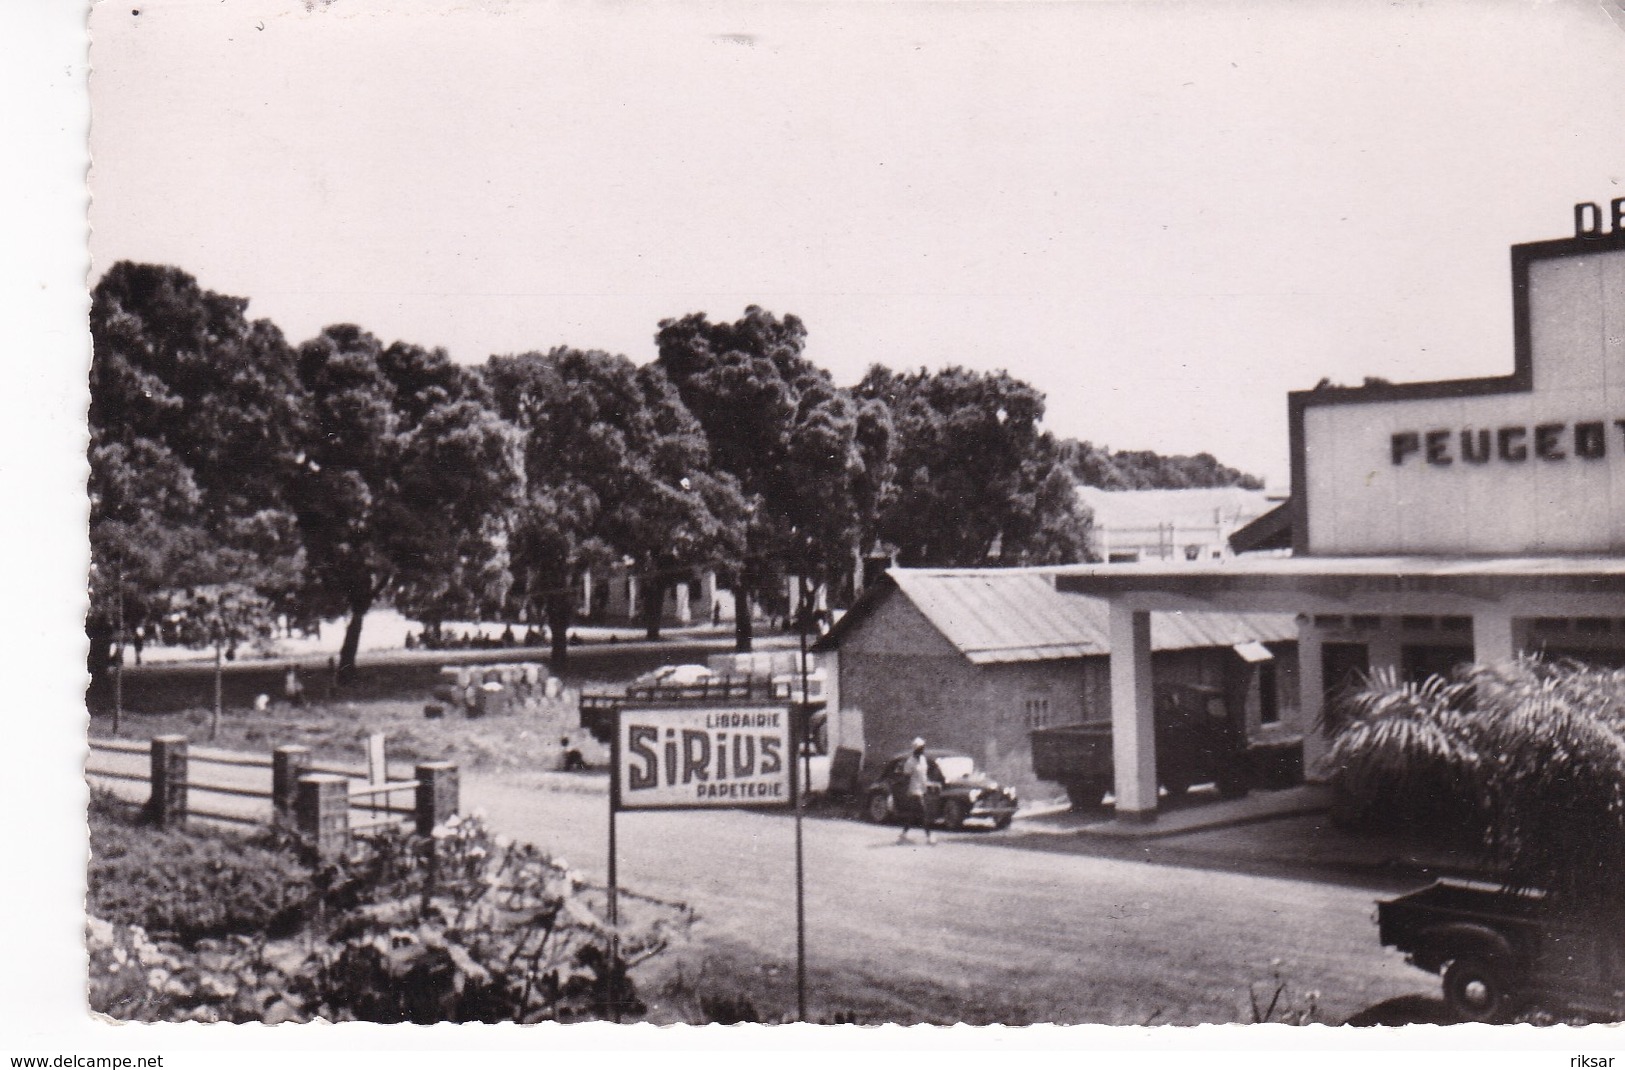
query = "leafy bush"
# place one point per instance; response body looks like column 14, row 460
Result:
column 191, row 885
column 462, row 926
column 1529, row 758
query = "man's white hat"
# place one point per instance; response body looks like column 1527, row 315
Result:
column 918, row 742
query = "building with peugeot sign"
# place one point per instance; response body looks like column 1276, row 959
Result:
column 1429, row 523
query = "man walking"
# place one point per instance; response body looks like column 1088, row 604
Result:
column 920, row 782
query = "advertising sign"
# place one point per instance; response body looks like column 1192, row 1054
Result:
column 698, row 757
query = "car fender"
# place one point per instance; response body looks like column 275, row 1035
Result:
column 1442, row 943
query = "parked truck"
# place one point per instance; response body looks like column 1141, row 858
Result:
column 1199, row 740
column 1499, row 951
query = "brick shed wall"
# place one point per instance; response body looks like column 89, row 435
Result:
column 908, row 680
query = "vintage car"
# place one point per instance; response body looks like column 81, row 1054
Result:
column 675, row 676
column 1499, row 951
column 967, row 794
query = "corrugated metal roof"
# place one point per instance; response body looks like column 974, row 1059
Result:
column 1011, row 615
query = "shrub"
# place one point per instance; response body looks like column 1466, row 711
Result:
column 1528, row 757
column 459, row 927
column 191, row 885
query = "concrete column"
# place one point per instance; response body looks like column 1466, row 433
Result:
column 1134, row 742
column 169, row 771
column 288, row 764
column 633, row 590
column 1493, row 640
column 437, row 794
column 1311, row 697
column 586, row 592
column 322, row 813
column 684, row 614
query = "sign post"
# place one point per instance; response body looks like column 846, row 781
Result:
column 803, row 782
column 706, row 757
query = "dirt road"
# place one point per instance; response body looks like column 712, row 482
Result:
column 970, row 929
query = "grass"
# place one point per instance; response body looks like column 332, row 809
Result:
column 524, row 739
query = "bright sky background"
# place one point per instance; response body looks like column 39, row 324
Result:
column 1164, row 215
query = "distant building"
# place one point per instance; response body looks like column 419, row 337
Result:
column 1170, row 525
column 615, row 596
column 975, row 659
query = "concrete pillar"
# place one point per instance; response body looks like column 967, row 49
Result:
column 586, row 592
column 437, row 794
column 708, row 595
column 288, row 764
column 633, row 591
column 1134, row 742
column 169, row 771
column 1493, row 640
column 1311, row 697
column 322, row 813
column 684, row 614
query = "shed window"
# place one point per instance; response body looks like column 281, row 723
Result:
column 1035, row 712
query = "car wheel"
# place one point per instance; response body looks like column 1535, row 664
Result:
column 954, row 813
column 879, row 808
column 1003, row 822
column 1477, row 990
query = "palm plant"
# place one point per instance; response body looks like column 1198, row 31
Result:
column 1406, row 755
column 1528, row 758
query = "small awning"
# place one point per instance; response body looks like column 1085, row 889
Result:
column 1252, row 653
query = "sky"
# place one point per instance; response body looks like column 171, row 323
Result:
column 1163, row 215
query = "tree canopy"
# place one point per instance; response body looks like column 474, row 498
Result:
column 810, row 459
column 1099, row 466
column 327, row 478
column 977, row 481
column 194, row 416
column 400, row 478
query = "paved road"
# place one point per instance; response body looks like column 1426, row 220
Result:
column 971, row 929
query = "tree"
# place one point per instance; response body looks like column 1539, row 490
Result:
column 808, row 458
column 977, row 482
column 1098, row 466
column 1527, row 760
column 401, row 477
column 194, row 410
column 689, row 518
column 220, row 617
column 615, row 470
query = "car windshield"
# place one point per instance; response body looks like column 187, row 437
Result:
column 956, row 766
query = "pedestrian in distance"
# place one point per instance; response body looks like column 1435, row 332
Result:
column 293, row 688
column 920, row 785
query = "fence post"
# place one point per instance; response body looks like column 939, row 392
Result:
column 436, row 794
column 288, row 764
column 322, row 813
column 168, row 802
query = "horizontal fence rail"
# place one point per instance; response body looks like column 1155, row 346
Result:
column 315, row 800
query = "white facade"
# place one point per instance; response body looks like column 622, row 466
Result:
column 1536, row 470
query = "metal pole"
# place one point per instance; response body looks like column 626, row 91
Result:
column 118, row 660
column 614, row 877
column 614, row 921
column 214, row 721
column 801, row 802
